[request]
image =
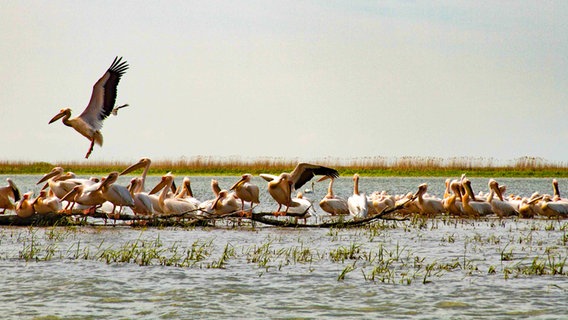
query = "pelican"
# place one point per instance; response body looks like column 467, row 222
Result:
column 185, row 193
column 90, row 196
column 556, row 189
column 281, row 187
column 62, row 183
column 304, row 209
column 501, row 207
column 357, row 203
column 428, row 206
column 331, row 203
column 171, row 205
column 90, row 122
column 142, row 163
column 474, row 208
column 553, row 209
column 205, row 206
column 453, row 202
column 7, row 192
column 226, row 202
column 46, row 202
column 246, row 191
column 116, row 194
column 25, row 208
column 142, row 203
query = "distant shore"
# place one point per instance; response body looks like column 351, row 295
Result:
column 372, row 167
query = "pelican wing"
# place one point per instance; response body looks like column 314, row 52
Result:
column 304, row 172
column 103, row 97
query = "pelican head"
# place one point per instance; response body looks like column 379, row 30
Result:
column 142, row 163
column 62, row 113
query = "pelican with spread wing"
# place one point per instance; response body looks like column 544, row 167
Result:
column 102, row 103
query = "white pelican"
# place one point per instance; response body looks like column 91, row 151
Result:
column 185, row 193
column 331, row 203
column 500, row 206
column 474, row 208
column 205, row 206
column 382, row 201
column 89, row 196
column 62, row 183
column 246, row 191
column 226, row 202
column 553, row 209
column 90, row 122
column 25, row 208
column 170, row 205
column 281, row 187
column 556, row 190
column 453, row 202
column 357, row 202
column 142, row 163
column 7, row 192
column 429, row 206
column 46, row 202
column 142, row 203
column 116, row 194
column 303, row 210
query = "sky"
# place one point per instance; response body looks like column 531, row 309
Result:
column 289, row 79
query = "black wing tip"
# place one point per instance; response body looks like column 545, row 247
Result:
column 118, row 66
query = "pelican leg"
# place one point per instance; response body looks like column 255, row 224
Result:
column 90, row 149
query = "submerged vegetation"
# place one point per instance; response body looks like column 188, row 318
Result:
column 368, row 166
column 394, row 252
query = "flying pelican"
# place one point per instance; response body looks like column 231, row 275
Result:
column 331, row 203
column 7, row 192
column 246, row 191
column 90, row 122
column 171, row 205
column 281, row 187
column 46, row 202
column 357, row 202
column 24, row 208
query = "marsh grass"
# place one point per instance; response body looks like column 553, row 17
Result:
column 512, row 252
column 368, row 166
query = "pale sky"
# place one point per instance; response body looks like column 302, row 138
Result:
column 291, row 79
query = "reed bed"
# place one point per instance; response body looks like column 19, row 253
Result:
column 368, row 166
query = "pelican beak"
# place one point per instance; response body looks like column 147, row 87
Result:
column 47, row 176
column 133, row 167
column 158, row 187
column 323, row 178
column 237, row 183
column 58, row 116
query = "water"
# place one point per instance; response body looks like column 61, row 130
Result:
column 424, row 270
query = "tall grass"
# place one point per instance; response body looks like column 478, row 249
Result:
column 369, row 166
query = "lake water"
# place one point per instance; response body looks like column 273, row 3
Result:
column 442, row 268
